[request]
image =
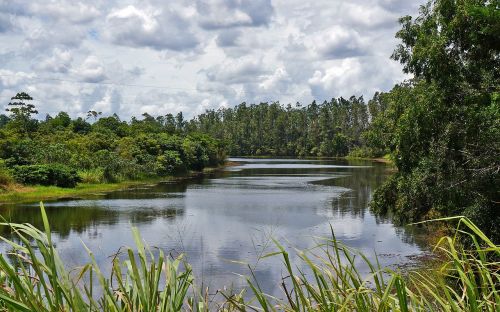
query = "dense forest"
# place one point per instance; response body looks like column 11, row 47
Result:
column 332, row 128
column 442, row 128
column 63, row 151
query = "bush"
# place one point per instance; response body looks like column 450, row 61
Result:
column 57, row 175
column 169, row 162
column 93, row 176
column 5, row 177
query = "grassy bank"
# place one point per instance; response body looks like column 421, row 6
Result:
column 146, row 280
column 23, row 194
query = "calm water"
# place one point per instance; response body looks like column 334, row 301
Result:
column 231, row 216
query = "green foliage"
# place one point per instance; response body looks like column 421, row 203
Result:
column 21, row 111
column 33, row 278
column 443, row 127
column 467, row 280
column 6, row 178
column 143, row 281
column 92, row 176
column 58, row 175
column 4, row 120
column 109, row 150
column 328, row 129
column 169, row 162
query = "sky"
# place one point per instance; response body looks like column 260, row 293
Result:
column 159, row 57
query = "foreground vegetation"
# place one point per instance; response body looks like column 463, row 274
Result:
column 33, row 278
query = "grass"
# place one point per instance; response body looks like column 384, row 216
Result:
column 16, row 193
column 33, row 278
column 21, row 194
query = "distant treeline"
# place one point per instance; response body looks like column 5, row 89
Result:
column 63, row 151
column 331, row 128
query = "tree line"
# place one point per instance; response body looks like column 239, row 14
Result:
column 328, row 129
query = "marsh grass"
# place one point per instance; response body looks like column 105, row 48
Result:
column 33, row 278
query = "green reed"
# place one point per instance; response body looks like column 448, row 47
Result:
column 33, row 278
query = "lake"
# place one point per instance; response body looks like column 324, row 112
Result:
column 227, row 218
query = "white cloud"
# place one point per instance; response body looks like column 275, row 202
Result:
column 339, row 42
column 74, row 12
column 59, row 62
column 161, row 57
column 215, row 14
column 237, row 71
column 91, row 70
column 151, row 27
column 9, row 79
column 278, row 80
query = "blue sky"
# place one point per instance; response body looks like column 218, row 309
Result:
column 131, row 57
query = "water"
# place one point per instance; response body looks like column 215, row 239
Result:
column 229, row 218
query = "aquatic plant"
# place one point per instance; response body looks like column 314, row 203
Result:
column 34, row 278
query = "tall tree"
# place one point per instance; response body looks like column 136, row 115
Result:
column 446, row 122
column 21, row 110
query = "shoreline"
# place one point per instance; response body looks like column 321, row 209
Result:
column 37, row 193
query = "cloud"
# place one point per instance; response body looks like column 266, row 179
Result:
column 368, row 17
column 228, row 38
column 38, row 39
column 339, row 42
column 9, row 79
column 59, row 62
column 73, row 12
column 199, row 54
column 5, row 23
column 354, row 77
column 216, row 14
column 91, row 70
column 236, row 71
column 279, row 80
column 109, row 103
column 151, row 27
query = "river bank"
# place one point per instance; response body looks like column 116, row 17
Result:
column 26, row 194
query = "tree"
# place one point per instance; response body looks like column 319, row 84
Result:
column 21, row 110
column 93, row 114
column 446, row 121
column 4, row 120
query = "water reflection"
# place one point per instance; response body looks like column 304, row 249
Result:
column 231, row 216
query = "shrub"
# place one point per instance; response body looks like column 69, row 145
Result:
column 93, row 176
column 5, row 177
column 57, row 175
column 169, row 162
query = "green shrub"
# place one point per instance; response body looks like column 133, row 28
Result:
column 5, row 177
column 169, row 162
column 57, row 175
column 93, row 176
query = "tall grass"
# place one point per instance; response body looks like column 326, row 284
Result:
column 33, row 278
